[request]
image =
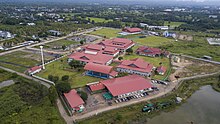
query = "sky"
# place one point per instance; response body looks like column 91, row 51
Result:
column 208, row 2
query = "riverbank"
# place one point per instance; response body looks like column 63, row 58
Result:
column 133, row 113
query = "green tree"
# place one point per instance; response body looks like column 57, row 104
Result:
column 120, row 58
column 63, row 47
column 129, row 51
column 52, row 95
column 83, row 95
column 50, row 77
column 65, row 78
column 75, row 64
column 55, row 78
column 63, row 87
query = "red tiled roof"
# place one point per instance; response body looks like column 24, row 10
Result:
column 148, row 50
column 127, row 84
column 101, row 68
column 132, row 30
column 119, row 43
column 98, row 68
column 94, row 47
column 98, row 58
column 73, row 98
column 161, row 69
column 136, row 64
column 96, row 87
column 34, row 68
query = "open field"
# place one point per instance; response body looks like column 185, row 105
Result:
column 58, row 68
column 98, row 19
column 62, row 42
column 155, row 61
column 173, row 24
column 16, row 107
column 107, row 32
column 133, row 114
column 198, row 48
column 153, row 41
column 19, row 61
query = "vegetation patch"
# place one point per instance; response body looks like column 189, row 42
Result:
column 106, row 32
column 27, row 102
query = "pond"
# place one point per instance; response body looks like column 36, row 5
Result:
column 203, row 107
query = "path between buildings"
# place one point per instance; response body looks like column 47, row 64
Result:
column 166, row 91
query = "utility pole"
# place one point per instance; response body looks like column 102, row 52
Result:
column 42, row 56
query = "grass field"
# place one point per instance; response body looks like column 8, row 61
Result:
column 133, row 114
column 198, row 48
column 155, row 61
column 20, row 61
column 173, row 24
column 59, row 68
column 107, row 32
column 62, row 42
column 16, row 107
column 153, row 41
column 98, row 19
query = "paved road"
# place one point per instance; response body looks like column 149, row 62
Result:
column 210, row 61
column 44, row 42
column 26, row 76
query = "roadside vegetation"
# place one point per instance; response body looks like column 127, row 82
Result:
column 26, row 102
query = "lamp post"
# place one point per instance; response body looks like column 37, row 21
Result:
column 42, row 56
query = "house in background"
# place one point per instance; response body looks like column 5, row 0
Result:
column 100, row 71
column 74, row 101
column 6, row 35
column 161, row 70
column 34, row 70
column 54, row 32
column 151, row 52
column 135, row 66
column 169, row 34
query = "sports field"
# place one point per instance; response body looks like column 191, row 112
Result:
column 107, row 32
column 98, row 19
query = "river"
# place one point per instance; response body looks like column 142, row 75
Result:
column 203, row 107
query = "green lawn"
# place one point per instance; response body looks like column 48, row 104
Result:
column 173, row 24
column 20, row 58
column 155, row 61
column 62, row 42
column 98, row 19
column 198, row 48
column 18, row 103
column 59, row 68
column 107, row 32
column 153, row 41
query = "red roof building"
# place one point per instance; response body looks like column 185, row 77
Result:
column 121, row 44
column 135, row 66
column 132, row 30
column 95, row 48
column 34, row 70
column 125, row 86
column 100, row 71
column 97, row 58
column 152, row 52
column 161, row 70
column 75, row 102
column 96, row 87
